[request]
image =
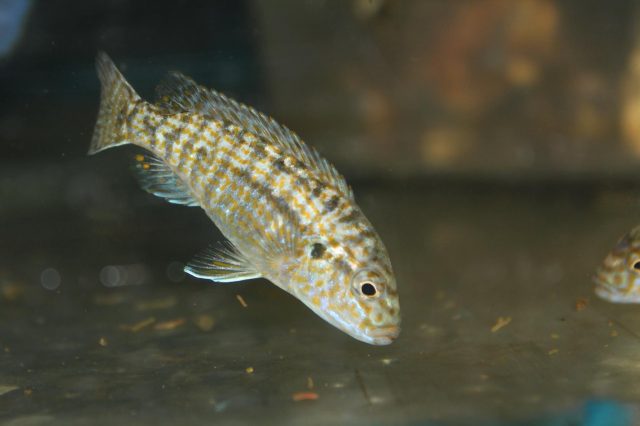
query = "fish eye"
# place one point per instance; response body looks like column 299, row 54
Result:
column 368, row 284
column 636, row 265
column 368, row 289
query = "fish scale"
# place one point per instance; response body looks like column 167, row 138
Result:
column 287, row 214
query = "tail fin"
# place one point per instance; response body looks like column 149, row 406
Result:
column 115, row 99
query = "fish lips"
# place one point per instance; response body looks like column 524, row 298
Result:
column 382, row 335
column 602, row 289
column 612, row 294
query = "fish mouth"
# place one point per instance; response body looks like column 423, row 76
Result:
column 602, row 289
column 600, row 277
column 604, row 292
column 613, row 294
column 384, row 335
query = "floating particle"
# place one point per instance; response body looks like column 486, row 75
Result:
column 241, row 300
column 310, row 383
column 204, row 322
column 28, row 392
column 11, row 291
column 164, row 303
column 134, row 328
column 555, row 336
column 249, row 370
column 109, row 299
column 103, row 341
column 304, row 396
column 169, row 325
column 614, row 333
column 553, row 351
column 581, row 304
column 500, row 323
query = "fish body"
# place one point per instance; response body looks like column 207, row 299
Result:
column 288, row 215
column 618, row 277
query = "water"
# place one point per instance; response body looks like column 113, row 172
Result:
column 162, row 347
column 495, row 205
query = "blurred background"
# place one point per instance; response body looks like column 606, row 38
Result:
column 494, row 144
column 530, row 89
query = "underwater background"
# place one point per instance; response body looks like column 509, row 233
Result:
column 494, row 145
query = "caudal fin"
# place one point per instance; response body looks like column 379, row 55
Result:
column 116, row 98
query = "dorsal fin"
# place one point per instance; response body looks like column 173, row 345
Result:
column 178, row 93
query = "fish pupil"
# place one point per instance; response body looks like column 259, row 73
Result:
column 317, row 250
column 636, row 265
column 369, row 289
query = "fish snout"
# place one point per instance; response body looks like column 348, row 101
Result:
column 600, row 277
column 384, row 335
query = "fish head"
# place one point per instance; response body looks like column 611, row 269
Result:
column 618, row 277
column 372, row 311
column 346, row 278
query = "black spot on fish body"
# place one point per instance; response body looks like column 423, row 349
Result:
column 317, row 190
column 201, row 154
column 239, row 135
column 259, row 150
column 317, row 250
column 279, row 164
column 342, row 265
column 300, row 166
column 332, row 204
column 350, row 217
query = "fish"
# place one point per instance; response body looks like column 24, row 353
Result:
column 617, row 279
column 287, row 215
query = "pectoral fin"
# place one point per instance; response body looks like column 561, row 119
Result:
column 222, row 263
column 157, row 178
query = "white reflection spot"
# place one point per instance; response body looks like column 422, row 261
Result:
column 175, row 271
column 121, row 275
column 111, row 276
column 50, row 279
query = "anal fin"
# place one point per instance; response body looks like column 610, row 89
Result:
column 222, row 263
column 157, row 178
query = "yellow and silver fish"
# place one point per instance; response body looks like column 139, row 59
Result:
column 288, row 215
column 618, row 277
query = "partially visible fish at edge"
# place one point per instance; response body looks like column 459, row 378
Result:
column 618, row 277
column 287, row 214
